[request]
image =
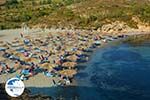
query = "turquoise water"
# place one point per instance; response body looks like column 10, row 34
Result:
column 115, row 72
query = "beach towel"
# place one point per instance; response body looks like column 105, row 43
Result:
column 25, row 72
column 2, row 49
column 48, row 74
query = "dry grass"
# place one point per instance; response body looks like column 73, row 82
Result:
column 81, row 14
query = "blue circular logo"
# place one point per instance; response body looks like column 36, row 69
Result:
column 14, row 87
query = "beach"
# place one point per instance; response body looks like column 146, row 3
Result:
column 14, row 36
column 73, row 43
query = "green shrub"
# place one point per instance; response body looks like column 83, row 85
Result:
column 68, row 13
column 92, row 18
column 23, row 17
column 68, row 2
column 2, row 27
column 12, row 2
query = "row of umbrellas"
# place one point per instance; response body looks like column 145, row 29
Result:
column 29, row 49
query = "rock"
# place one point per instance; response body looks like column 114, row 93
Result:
column 115, row 27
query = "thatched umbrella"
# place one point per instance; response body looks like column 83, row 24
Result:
column 4, row 45
column 16, row 44
column 35, row 42
column 47, row 66
column 16, row 41
column 19, row 54
column 72, row 58
column 69, row 64
column 16, row 38
column 29, row 59
column 61, row 52
column 1, row 42
column 78, row 52
column 43, row 48
column 68, row 72
column 27, row 37
column 2, row 59
column 11, row 51
column 68, row 47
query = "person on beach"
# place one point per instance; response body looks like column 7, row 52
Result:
column 31, row 72
column 67, row 81
column 7, row 68
column 16, row 65
column 42, row 59
column 54, row 62
column 26, row 54
column 54, row 82
column 1, row 69
column 25, row 74
column 21, row 34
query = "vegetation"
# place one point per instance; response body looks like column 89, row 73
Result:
column 137, row 39
column 72, row 13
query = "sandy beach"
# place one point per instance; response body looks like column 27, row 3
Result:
column 70, row 39
column 9, row 35
column 39, row 80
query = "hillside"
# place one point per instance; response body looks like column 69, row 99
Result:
column 85, row 14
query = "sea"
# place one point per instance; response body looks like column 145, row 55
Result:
column 118, row 71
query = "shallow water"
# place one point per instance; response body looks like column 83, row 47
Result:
column 120, row 71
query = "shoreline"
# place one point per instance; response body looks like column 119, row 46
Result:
column 48, row 81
